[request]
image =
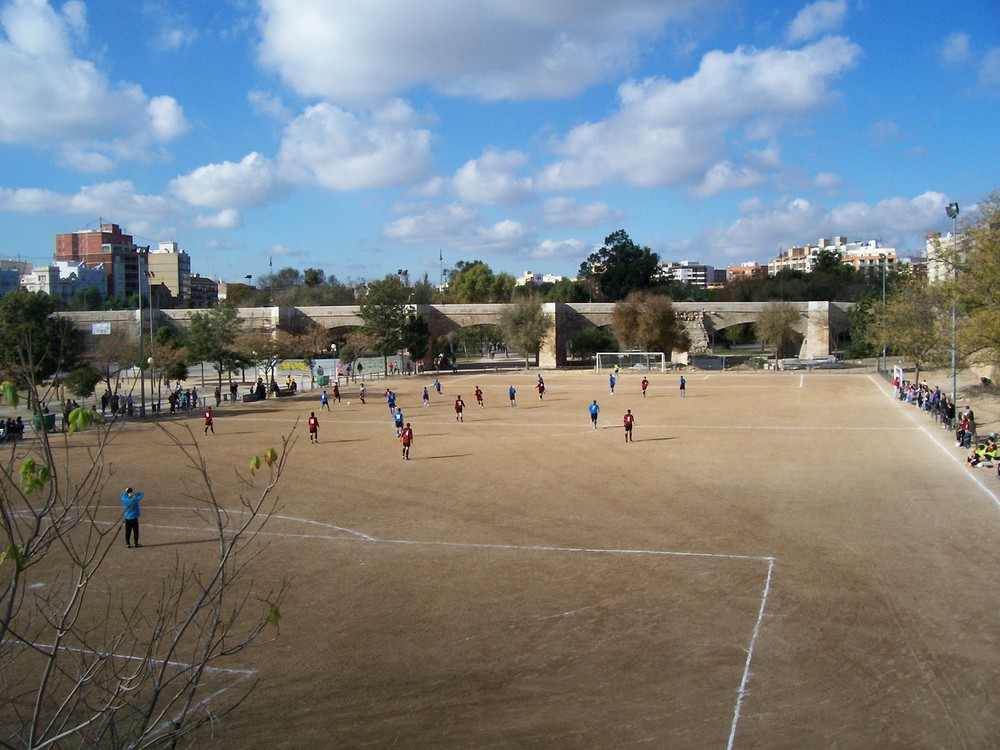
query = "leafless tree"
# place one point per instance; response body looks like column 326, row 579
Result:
column 89, row 655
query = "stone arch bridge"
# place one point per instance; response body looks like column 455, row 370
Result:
column 817, row 326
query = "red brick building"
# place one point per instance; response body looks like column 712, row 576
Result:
column 124, row 260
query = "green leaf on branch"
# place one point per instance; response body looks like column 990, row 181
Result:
column 8, row 393
column 15, row 553
column 274, row 616
column 33, row 476
column 270, row 455
column 254, row 464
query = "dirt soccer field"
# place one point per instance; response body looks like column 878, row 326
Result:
column 779, row 560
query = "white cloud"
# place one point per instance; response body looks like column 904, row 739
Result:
column 827, row 181
column 989, row 69
column 495, row 50
column 568, row 249
column 227, row 218
column 118, row 198
column 492, row 179
column 39, row 68
column 268, row 105
column 569, row 212
column 668, row 132
column 955, row 48
column 761, row 231
column 460, row 228
column 816, row 19
column 166, row 118
column 725, row 176
column 250, row 182
column 339, row 150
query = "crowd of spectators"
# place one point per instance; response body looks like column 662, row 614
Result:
column 983, row 452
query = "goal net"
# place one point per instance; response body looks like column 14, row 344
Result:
column 632, row 361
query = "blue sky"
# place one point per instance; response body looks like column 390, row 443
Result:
column 366, row 136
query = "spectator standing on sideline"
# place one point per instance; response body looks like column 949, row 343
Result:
column 459, row 408
column 594, row 411
column 407, row 438
column 209, row 420
column 629, row 421
column 131, row 499
column 683, row 387
column 313, row 428
column 645, row 385
column 513, row 396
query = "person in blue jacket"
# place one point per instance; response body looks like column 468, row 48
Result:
column 130, row 499
column 594, row 411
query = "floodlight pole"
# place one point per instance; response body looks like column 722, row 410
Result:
column 952, row 211
column 882, row 261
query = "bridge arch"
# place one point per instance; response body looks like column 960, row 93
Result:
column 818, row 324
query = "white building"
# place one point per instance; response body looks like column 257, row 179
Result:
column 937, row 268
column 867, row 255
column 688, row 272
column 528, row 277
column 170, row 266
column 63, row 278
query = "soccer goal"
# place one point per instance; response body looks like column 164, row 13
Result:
column 632, row 361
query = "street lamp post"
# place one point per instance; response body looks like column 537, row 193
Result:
column 952, row 211
column 142, row 356
column 154, row 408
column 882, row 262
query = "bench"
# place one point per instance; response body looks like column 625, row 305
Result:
column 282, row 392
column 251, row 397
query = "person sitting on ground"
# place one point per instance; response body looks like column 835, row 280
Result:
column 985, row 454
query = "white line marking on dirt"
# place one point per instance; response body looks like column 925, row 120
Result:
column 357, row 536
column 750, row 649
column 937, row 441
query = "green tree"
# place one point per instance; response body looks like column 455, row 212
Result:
column 912, row 324
column 416, row 335
column 86, row 299
column 475, row 283
column 34, row 342
column 861, row 343
column 776, row 326
column 313, row 277
column 266, row 351
column 589, row 341
column 212, row 335
column 621, row 266
column 525, row 326
column 649, row 323
column 976, row 286
column 568, row 290
column 82, row 381
column 384, row 312
column 423, row 291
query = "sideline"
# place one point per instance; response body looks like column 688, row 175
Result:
column 936, row 439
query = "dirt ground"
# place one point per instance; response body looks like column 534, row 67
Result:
column 779, row 560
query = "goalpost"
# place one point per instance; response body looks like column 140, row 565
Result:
column 632, row 361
